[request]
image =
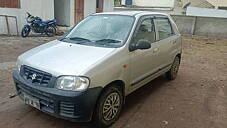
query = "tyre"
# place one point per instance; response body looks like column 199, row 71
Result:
column 25, row 32
column 51, row 31
column 172, row 73
column 108, row 107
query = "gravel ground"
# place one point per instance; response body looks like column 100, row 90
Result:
column 196, row 99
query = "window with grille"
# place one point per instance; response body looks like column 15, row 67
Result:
column 9, row 3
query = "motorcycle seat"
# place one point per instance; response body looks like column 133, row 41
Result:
column 49, row 21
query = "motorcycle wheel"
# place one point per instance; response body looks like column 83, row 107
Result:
column 25, row 32
column 51, row 31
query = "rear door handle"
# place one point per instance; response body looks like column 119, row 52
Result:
column 156, row 50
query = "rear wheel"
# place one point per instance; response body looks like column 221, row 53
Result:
column 25, row 32
column 108, row 107
column 172, row 73
column 51, row 31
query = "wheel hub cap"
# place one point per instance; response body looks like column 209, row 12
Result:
column 111, row 106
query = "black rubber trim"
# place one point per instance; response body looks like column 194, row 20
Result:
column 149, row 75
column 51, row 98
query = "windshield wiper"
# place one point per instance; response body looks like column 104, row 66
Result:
column 63, row 38
column 79, row 39
column 108, row 41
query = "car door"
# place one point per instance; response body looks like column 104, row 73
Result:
column 143, row 62
column 166, row 41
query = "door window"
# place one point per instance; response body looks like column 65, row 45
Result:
column 146, row 31
column 164, row 28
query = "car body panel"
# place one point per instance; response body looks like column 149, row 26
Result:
column 58, row 58
column 105, row 65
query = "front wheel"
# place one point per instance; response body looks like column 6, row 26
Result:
column 51, row 31
column 108, row 107
column 25, row 32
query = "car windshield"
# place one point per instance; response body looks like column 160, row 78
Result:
column 101, row 30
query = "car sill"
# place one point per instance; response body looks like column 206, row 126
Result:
column 149, row 75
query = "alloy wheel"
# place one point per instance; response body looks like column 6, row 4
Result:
column 111, row 106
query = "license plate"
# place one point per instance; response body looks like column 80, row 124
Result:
column 31, row 101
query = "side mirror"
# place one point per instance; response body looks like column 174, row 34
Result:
column 141, row 44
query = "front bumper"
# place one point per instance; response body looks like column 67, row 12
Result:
column 75, row 106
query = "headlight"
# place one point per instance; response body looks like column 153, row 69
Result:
column 18, row 65
column 72, row 83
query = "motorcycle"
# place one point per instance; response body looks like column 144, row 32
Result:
column 37, row 25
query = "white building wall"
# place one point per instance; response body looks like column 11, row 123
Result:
column 63, row 12
column 72, row 13
column 40, row 8
column 46, row 10
column 154, row 3
column 205, row 12
column 89, row 7
column 12, row 22
column 108, row 5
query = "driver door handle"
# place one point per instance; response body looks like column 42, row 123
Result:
column 155, row 50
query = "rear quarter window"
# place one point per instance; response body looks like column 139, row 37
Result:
column 164, row 28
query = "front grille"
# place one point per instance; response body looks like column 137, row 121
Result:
column 66, row 109
column 36, row 76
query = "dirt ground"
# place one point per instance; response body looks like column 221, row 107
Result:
column 196, row 99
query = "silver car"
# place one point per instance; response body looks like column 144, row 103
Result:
column 87, row 74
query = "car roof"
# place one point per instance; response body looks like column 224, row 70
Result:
column 133, row 13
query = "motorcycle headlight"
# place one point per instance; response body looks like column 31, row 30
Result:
column 72, row 83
